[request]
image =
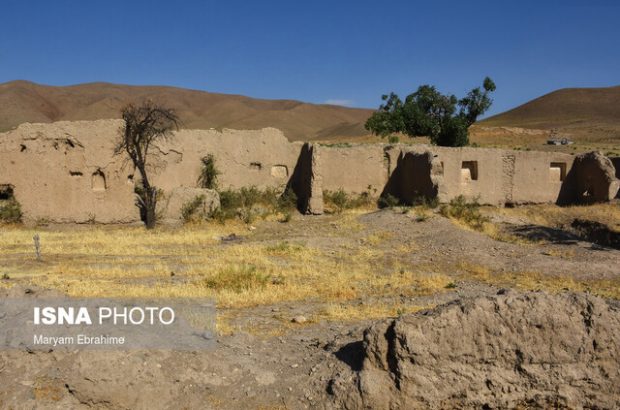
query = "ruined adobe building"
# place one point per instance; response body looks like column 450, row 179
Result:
column 66, row 171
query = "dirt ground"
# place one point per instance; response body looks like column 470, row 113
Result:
column 341, row 272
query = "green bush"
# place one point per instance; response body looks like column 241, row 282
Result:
column 208, row 173
column 339, row 200
column 393, row 139
column 388, row 201
column 248, row 203
column 466, row 211
column 10, row 211
column 426, row 202
column 287, row 202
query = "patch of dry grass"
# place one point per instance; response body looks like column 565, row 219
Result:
column 343, row 312
column 378, row 238
column 193, row 262
column 529, row 280
column 125, row 241
column 494, row 231
column 550, row 215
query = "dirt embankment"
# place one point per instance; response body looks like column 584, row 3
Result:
column 534, row 350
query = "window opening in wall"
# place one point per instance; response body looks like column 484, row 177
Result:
column 469, row 171
column 279, row 171
column 98, row 181
column 557, row 171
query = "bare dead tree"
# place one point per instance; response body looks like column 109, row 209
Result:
column 145, row 124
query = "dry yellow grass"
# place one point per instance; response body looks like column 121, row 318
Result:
column 352, row 312
column 378, row 237
column 126, row 241
column 547, row 215
column 553, row 216
column 608, row 288
column 492, row 230
column 192, row 262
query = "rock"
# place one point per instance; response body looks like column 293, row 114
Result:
column 491, row 352
column 230, row 238
column 592, row 178
column 206, row 201
column 299, row 319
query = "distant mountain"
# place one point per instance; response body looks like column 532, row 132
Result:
column 23, row 101
column 568, row 108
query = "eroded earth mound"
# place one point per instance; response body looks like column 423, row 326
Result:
column 511, row 350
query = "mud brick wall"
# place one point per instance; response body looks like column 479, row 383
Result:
column 67, row 171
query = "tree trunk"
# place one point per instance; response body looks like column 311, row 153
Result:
column 150, row 203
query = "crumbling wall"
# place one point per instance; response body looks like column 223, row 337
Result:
column 415, row 176
column 592, row 178
column 471, row 172
column 262, row 158
column 539, row 176
column 65, row 172
column 355, row 169
column 616, row 162
column 171, row 208
column 306, row 182
column 492, row 176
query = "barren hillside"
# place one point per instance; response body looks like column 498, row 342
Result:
column 22, row 101
column 593, row 112
column 588, row 115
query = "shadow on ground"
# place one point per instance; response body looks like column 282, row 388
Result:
column 579, row 230
column 352, row 354
column 544, row 233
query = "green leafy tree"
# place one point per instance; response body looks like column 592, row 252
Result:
column 443, row 118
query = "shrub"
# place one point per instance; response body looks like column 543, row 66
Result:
column 467, row 212
column 360, row 201
column 284, row 248
column 287, row 202
column 248, row 203
column 237, row 279
column 286, row 217
column 339, row 200
column 426, row 202
column 388, row 201
column 208, row 173
column 393, row 139
column 192, row 209
column 10, row 211
column 421, row 217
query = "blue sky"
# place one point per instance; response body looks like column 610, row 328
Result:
column 319, row 51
